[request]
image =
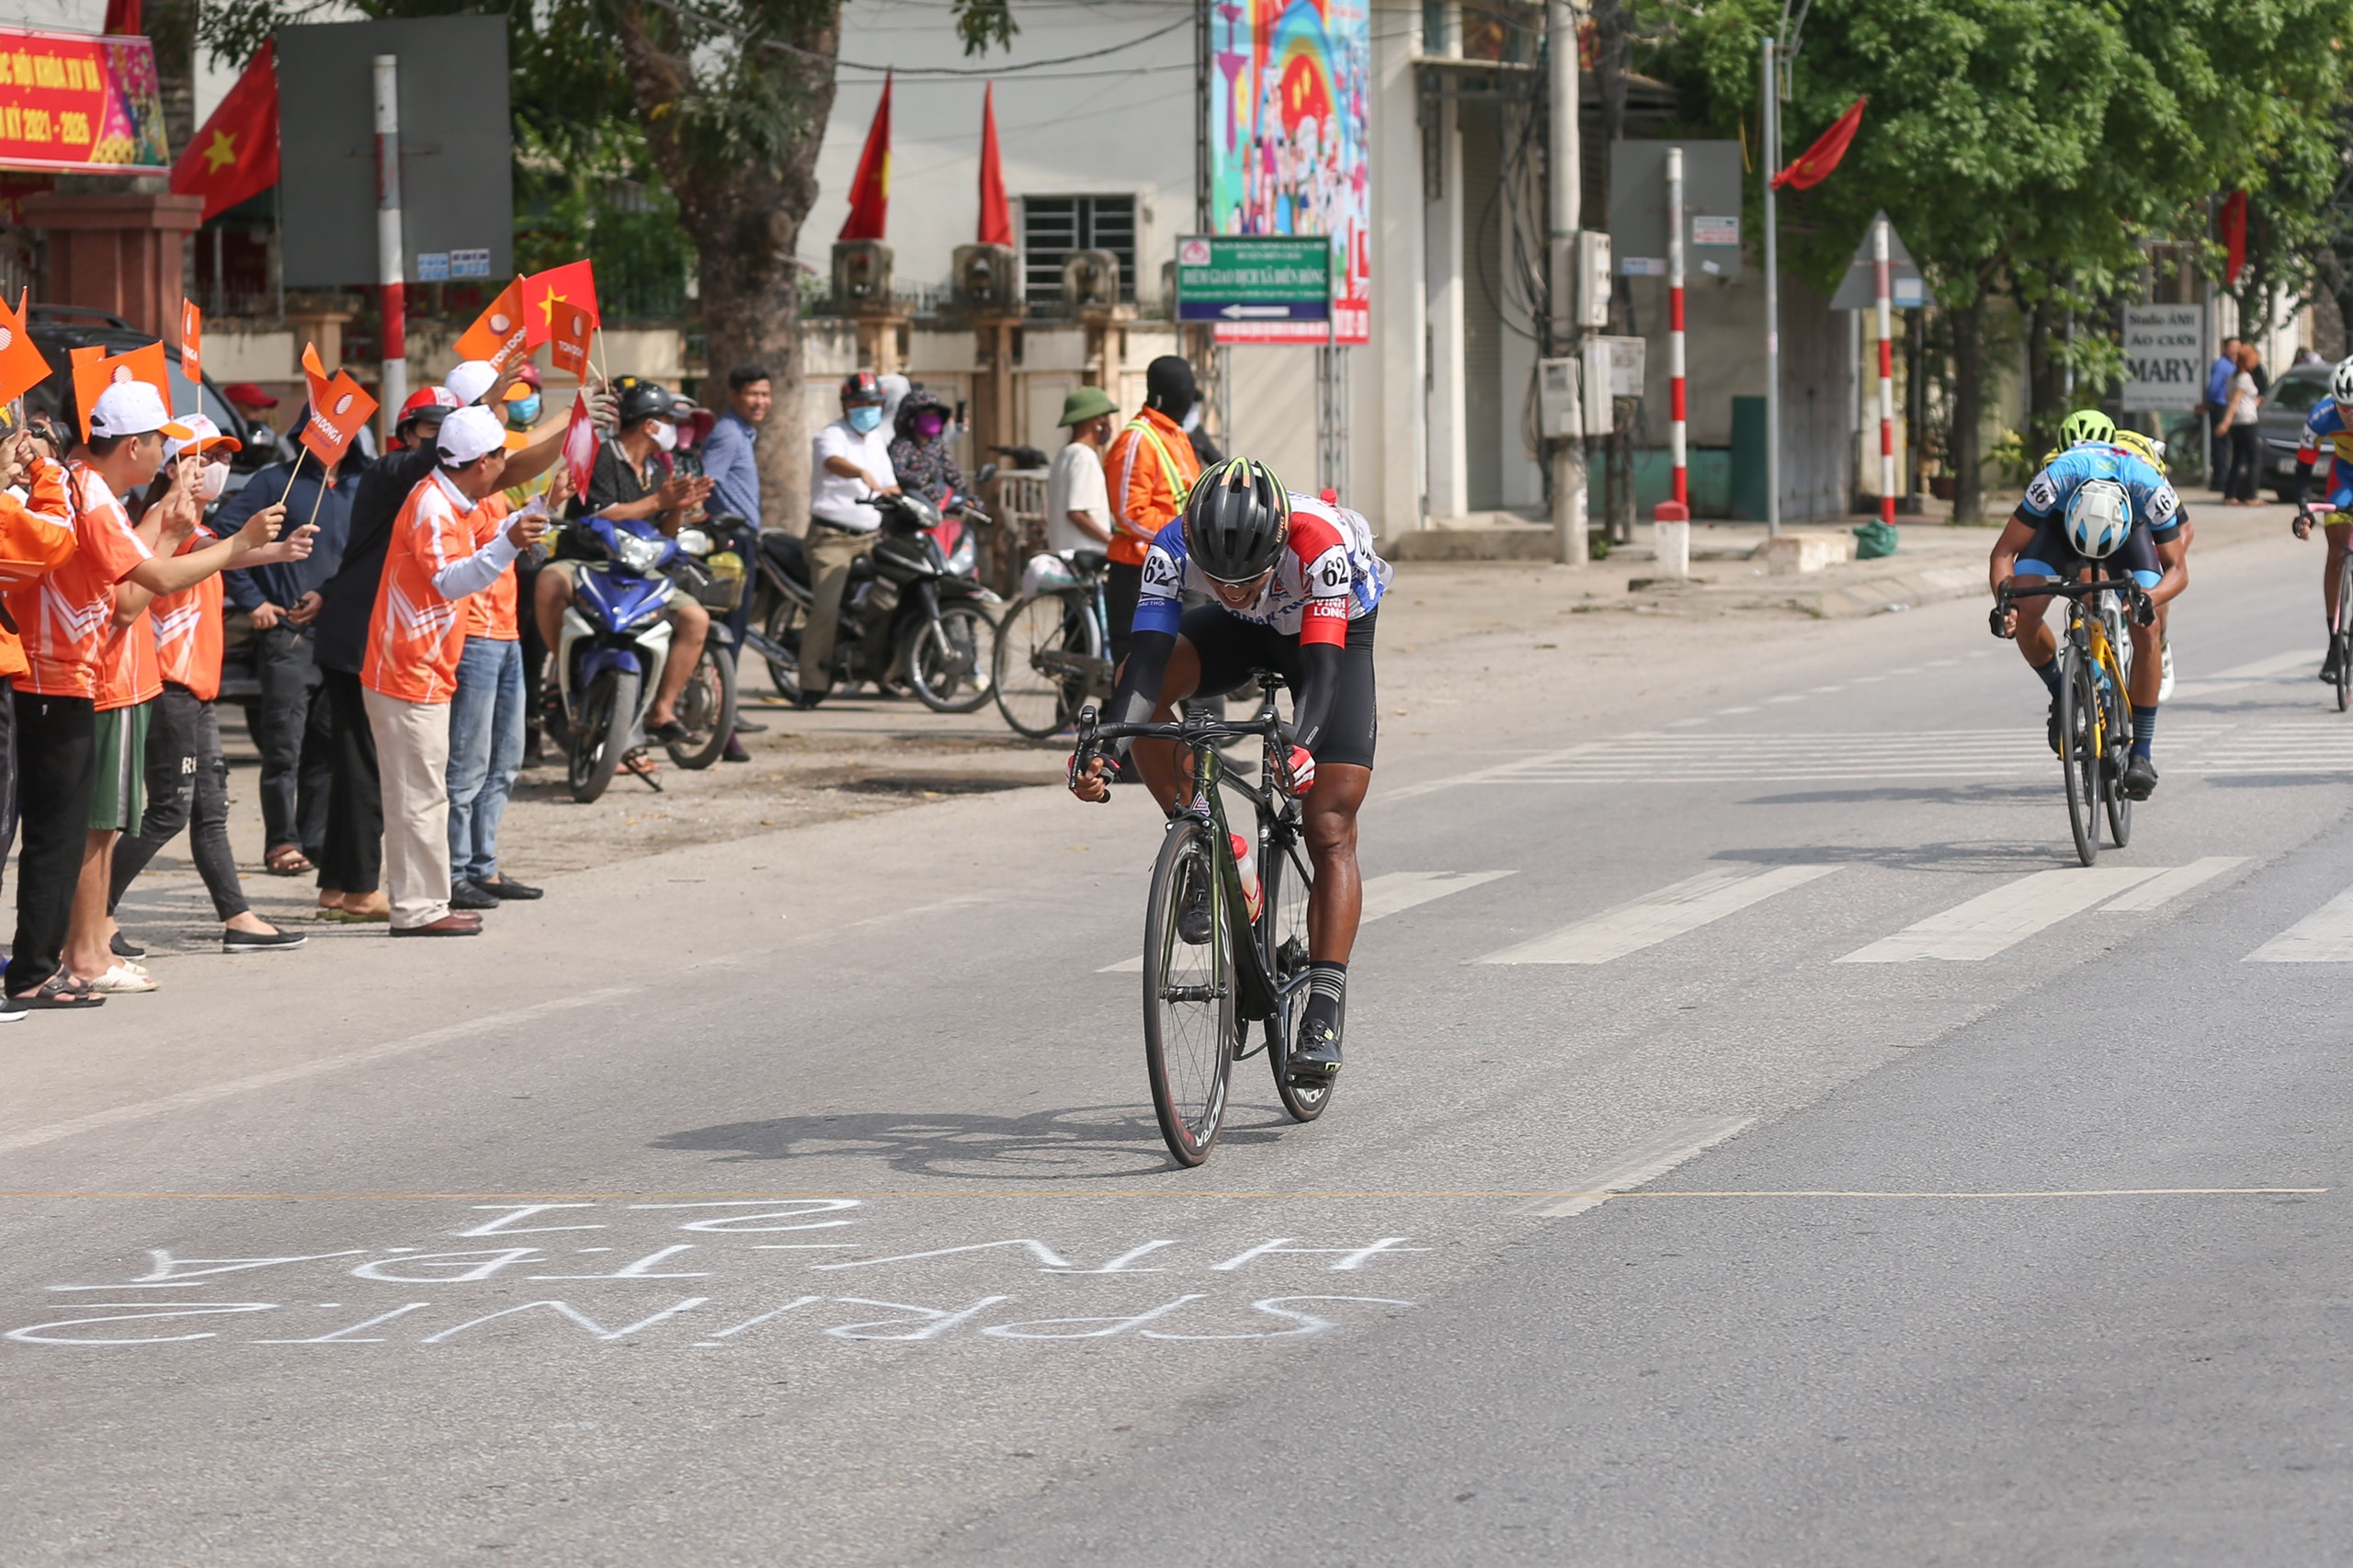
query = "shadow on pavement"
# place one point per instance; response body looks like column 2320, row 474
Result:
column 1981, row 856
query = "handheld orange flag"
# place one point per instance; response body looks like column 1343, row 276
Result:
column 192, row 341
column 501, row 334
column 95, row 369
column 22, row 367
column 560, row 308
column 339, row 408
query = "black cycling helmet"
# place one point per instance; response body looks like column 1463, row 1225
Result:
column 1237, row 516
column 645, row 399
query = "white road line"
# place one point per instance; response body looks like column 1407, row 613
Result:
column 1995, row 921
column 1638, row 1167
column 1686, row 723
column 2167, row 887
column 1728, row 712
column 1393, row 893
column 2325, row 936
column 2239, row 677
column 205, row 1094
column 1685, row 906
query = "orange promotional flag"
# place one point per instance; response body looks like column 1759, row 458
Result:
column 95, row 369
column 21, row 365
column 192, row 341
column 339, row 407
column 501, row 334
column 560, row 308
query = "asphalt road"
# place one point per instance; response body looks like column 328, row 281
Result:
column 1761, row 1144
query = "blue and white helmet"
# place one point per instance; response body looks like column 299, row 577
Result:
column 2100, row 517
column 2340, row 382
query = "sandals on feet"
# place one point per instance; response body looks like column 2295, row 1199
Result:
column 60, row 989
column 287, row 860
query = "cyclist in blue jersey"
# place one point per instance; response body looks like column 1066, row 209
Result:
column 2326, row 422
column 1294, row 586
column 2104, row 507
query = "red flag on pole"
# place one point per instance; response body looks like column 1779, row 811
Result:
column 560, row 308
column 234, row 155
column 1813, row 165
column 870, row 188
column 580, row 446
column 997, row 214
column 123, row 16
column 2234, row 224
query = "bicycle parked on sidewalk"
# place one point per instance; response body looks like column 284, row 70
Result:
column 2095, row 712
column 1200, row 998
column 1053, row 645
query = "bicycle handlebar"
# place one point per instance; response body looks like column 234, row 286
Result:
column 2009, row 593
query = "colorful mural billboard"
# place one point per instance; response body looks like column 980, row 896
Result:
column 1290, row 87
column 80, row 102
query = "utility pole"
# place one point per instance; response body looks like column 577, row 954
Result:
column 1772, row 160
column 391, row 265
column 1566, row 162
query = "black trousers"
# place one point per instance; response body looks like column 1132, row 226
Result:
column 57, row 759
column 188, row 783
column 1123, row 586
column 352, row 860
column 535, row 648
column 294, row 731
column 2246, row 464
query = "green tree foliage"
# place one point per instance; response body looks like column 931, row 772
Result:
column 2028, row 148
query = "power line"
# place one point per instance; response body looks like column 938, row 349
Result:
column 677, row 9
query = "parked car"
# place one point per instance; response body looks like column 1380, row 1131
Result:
column 2291, row 397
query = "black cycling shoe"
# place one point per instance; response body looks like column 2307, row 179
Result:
column 1315, row 1055
column 2140, row 779
column 1193, row 910
column 2328, row 667
column 2054, row 727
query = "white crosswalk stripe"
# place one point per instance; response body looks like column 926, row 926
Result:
column 2325, row 936
column 1997, row 920
column 1670, row 912
column 1393, row 893
column 2167, row 886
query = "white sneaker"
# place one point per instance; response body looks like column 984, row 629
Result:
column 2165, row 666
column 124, row 979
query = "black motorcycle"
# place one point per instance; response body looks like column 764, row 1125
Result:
column 914, row 616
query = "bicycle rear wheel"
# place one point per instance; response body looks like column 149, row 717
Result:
column 2079, row 750
column 1288, row 879
column 1035, row 640
column 2111, row 780
column 1188, row 1000
column 2341, row 642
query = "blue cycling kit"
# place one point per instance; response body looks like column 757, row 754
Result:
column 2326, row 422
column 2156, row 513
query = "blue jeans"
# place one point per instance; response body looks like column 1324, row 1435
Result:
column 486, row 753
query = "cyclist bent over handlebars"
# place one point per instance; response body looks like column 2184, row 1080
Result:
column 1294, row 585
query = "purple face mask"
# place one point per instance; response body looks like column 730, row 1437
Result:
column 929, row 424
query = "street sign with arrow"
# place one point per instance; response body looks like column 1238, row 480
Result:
column 1860, row 290
column 1253, row 278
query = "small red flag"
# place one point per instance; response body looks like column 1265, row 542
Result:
column 339, row 407
column 1813, row 165
column 580, row 446
column 870, row 188
column 2233, row 226
column 997, row 214
column 500, row 333
column 234, row 155
column 192, row 341
column 123, row 16
column 560, row 308
column 22, row 367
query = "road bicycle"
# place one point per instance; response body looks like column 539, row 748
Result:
column 2095, row 704
column 1201, row 998
column 2341, row 625
column 1054, row 647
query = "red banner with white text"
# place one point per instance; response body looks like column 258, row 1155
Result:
column 80, row 102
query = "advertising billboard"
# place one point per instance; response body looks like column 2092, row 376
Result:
column 78, row 103
column 1288, row 151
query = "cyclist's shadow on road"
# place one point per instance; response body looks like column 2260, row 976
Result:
column 1086, row 1144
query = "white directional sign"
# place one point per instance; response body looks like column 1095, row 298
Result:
column 2165, row 358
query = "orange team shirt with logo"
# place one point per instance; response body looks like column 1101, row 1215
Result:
column 65, row 617
column 415, row 634
column 188, row 630
column 491, row 613
column 36, row 537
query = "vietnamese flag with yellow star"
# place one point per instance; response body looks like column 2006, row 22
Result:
column 560, row 308
column 233, row 156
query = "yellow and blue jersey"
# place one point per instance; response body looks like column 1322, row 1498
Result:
column 2326, row 422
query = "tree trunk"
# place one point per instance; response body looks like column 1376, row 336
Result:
column 2041, row 380
column 1966, row 439
column 744, row 213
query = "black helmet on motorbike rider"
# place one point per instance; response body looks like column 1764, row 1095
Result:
column 1237, row 516
column 645, row 399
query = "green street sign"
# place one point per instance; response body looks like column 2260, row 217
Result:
column 1253, row 278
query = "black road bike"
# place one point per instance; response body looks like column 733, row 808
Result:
column 2095, row 702
column 1202, row 997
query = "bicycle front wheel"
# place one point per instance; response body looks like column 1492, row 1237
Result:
column 1036, row 641
column 1188, row 999
column 2111, row 778
column 1287, row 878
column 2079, row 749
column 2343, row 639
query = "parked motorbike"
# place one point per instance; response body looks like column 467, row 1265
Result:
column 915, row 614
column 714, row 577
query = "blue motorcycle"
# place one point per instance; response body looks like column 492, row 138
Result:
column 616, row 639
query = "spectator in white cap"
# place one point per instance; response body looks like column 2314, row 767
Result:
column 61, row 955
column 416, row 636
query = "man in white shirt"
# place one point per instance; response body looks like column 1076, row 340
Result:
column 1078, row 502
column 853, row 460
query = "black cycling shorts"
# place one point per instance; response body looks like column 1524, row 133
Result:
column 1232, row 650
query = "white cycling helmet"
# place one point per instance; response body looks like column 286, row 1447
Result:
column 2099, row 516
column 2340, row 382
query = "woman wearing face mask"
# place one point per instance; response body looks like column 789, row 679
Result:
column 920, row 455
column 188, row 780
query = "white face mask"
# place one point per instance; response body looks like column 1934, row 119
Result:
column 1193, row 418
column 213, row 482
column 666, row 436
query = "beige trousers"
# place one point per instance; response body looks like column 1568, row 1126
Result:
column 412, row 755
column 831, row 553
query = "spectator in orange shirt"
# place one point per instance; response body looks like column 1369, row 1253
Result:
column 36, row 537
column 188, row 780
column 1151, row 465
column 64, row 617
column 432, row 564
